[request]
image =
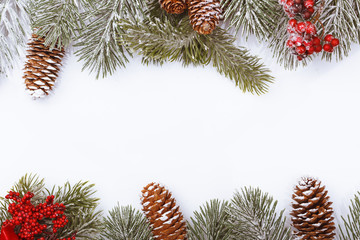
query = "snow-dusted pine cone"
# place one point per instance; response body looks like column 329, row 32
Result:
column 204, row 15
column 165, row 218
column 312, row 212
column 42, row 67
column 174, row 6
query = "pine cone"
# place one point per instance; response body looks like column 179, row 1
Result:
column 204, row 15
column 42, row 67
column 312, row 214
column 166, row 220
column 174, row 6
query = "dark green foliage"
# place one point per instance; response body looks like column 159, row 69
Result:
column 253, row 216
column 80, row 209
column 99, row 44
column 351, row 228
column 84, row 219
column 59, row 21
column 341, row 19
column 125, row 223
column 161, row 40
column 252, row 17
column 210, row 223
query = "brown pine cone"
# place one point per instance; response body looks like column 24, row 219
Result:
column 204, row 15
column 174, row 6
column 312, row 211
column 42, row 67
column 165, row 218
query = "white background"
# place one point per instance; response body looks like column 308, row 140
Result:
column 188, row 128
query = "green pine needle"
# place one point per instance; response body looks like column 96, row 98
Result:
column 237, row 63
column 59, row 21
column 14, row 28
column 351, row 228
column 160, row 40
column 251, row 17
column 84, row 219
column 210, row 223
column 99, row 45
column 341, row 20
column 253, row 216
column 125, row 223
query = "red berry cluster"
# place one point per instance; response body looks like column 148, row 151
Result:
column 304, row 41
column 32, row 219
column 330, row 43
column 303, row 7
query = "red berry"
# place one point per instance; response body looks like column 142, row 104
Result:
column 310, row 28
column 317, row 48
column 334, row 42
column 309, row 3
column 308, row 44
column 290, row 43
column 316, row 41
column 311, row 50
column 301, row 50
column 299, row 58
column 307, row 15
column 300, row 28
column 311, row 10
column 292, row 22
column 328, row 48
column 328, row 38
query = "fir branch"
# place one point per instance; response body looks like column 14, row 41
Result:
column 59, row 21
column 278, row 44
column 251, row 17
column 211, row 222
column 351, row 222
column 125, row 223
column 253, row 216
column 340, row 19
column 160, row 40
column 99, row 45
column 84, row 219
column 237, row 64
column 14, row 22
column 30, row 183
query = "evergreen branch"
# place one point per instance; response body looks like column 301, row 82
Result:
column 253, row 216
column 278, row 45
column 125, row 223
column 84, row 219
column 30, row 183
column 14, row 22
column 351, row 222
column 237, row 64
column 340, row 19
column 99, row 45
column 210, row 223
column 75, row 198
column 59, row 21
column 251, row 17
column 160, row 40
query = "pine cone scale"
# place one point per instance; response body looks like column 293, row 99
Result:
column 312, row 213
column 42, row 67
column 162, row 213
column 204, row 15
